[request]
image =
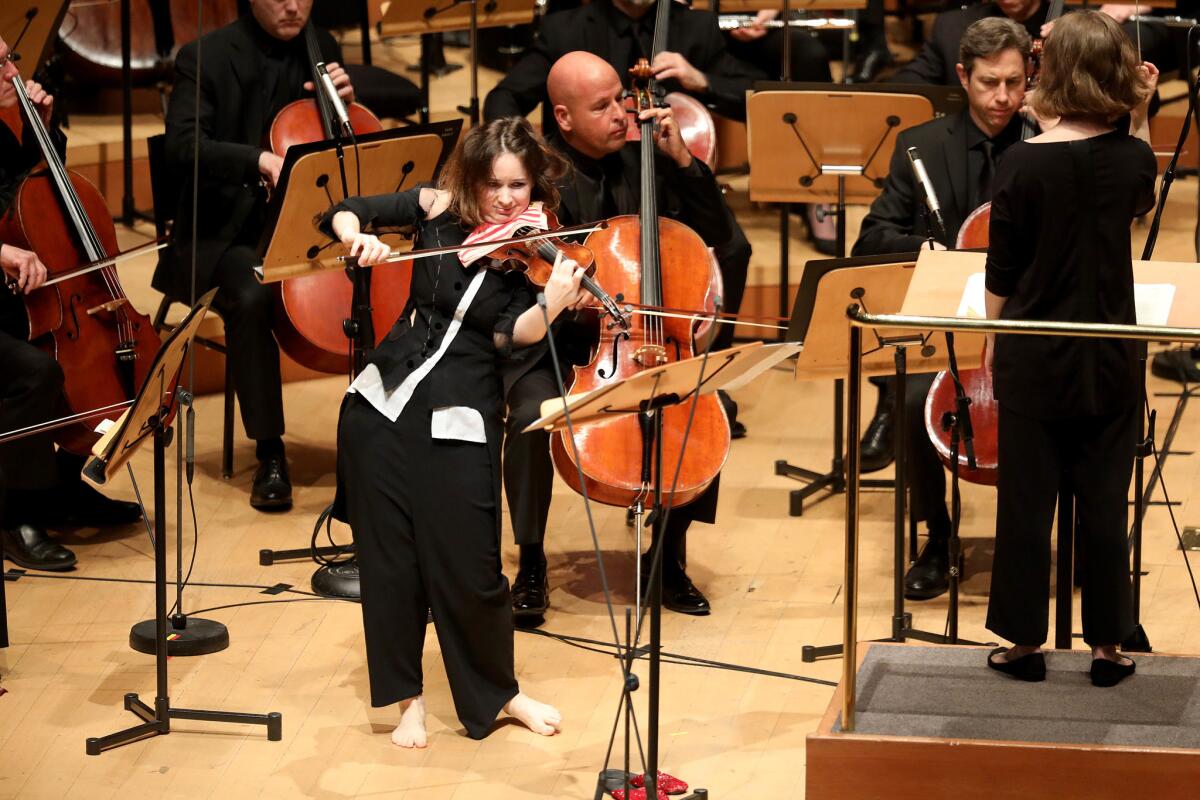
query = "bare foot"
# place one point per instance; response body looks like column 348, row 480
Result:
column 410, row 732
column 538, row 717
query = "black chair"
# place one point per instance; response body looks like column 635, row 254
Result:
column 165, row 202
column 385, row 93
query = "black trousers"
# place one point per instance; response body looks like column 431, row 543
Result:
column 925, row 475
column 529, row 472
column 734, row 259
column 425, row 522
column 1094, row 455
column 809, row 57
column 247, row 308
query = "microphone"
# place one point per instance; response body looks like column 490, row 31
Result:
column 335, row 102
column 931, row 199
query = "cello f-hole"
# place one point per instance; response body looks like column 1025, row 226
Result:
column 612, row 370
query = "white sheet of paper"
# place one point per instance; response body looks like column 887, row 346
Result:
column 1152, row 301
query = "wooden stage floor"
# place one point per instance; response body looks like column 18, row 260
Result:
column 774, row 581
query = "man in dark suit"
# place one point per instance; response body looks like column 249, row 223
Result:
column 937, row 61
column 621, row 32
column 252, row 68
column 39, row 487
column 960, row 153
column 586, row 100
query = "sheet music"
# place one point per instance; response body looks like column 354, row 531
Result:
column 1152, row 301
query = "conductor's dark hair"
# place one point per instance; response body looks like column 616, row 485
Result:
column 989, row 37
column 470, row 166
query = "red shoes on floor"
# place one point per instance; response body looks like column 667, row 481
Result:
column 667, row 785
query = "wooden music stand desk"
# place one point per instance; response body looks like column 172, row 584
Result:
column 751, row 6
column 408, row 17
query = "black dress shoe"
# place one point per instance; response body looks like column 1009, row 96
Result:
column 1030, row 667
column 1176, row 365
column 870, row 65
column 31, row 547
column 530, row 593
column 681, row 595
column 272, row 487
column 929, row 576
column 88, row 508
column 878, row 448
column 1107, row 673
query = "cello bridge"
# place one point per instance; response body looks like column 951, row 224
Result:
column 651, row 355
column 108, row 308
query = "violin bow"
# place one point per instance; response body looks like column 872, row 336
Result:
column 140, row 250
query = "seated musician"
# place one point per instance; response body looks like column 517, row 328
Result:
column 420, row 428
column 696, row 60
column 937, row 62
column 585, row 93
column 960, row 152
column 39, row 487
column 252, row 68
column 762, row 47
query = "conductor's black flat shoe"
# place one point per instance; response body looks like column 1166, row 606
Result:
column 929, row 576
column 89, row 508
column 31, row 547
column 272, row 487
column 1107, row 673
column 1030, row 667
column 531, row 593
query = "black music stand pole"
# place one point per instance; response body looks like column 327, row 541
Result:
column 150, row 413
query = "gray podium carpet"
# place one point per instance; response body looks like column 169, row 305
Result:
column 949, row 692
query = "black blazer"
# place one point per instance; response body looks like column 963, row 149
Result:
column 935, row 62
column 895, row 223
column 233, row 127
column 694, row 34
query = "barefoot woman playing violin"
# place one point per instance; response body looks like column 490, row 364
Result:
column 420, row 431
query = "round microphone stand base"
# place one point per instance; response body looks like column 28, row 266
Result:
column 337, row 581
column 186, row 636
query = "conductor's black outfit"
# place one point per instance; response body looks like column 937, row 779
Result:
column 246, row 78
column 599, row 28
column 937, row 58
column 1059, row 250
column 422, row 492
column 597, row 189
column 960, row 160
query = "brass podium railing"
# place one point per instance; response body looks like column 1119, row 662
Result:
column 859, row 320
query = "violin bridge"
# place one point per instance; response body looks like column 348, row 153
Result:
column 108, row 308
column 651, row 355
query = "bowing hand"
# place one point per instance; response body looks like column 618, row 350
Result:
column 367, row 249
column 341, row 82
column 23, row 269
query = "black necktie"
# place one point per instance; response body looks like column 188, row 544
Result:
column 984, row 189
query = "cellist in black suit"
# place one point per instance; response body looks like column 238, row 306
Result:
column 586, row 97
column 960, row 152
column 251, row 69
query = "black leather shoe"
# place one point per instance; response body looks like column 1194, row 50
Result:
column 878, row 448
column 1107, row 673
column 272, row 486
column 1030, row 667
column 1176, row 365
column 88, row 508
column 868, row 67
column 531, row 593
column 31, row 547
column 681, row 595
column 929, row 576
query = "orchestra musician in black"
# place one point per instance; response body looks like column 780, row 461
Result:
column 960, row 153
column 40, row 486
column 252, row 68
column 586, row 94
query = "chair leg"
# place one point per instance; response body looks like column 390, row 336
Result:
column 227, row 433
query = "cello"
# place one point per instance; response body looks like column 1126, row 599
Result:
column 311, row 311
column 662, row 262
column 101, row 342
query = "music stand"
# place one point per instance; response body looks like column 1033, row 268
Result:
column 149, row 418
column 439, row 16
column 818, row 320
column 292, row 246
column 816, row 144
column 650, row 392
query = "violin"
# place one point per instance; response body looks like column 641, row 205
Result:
column 101, row 342
column 663, row 263
column 311, row 310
